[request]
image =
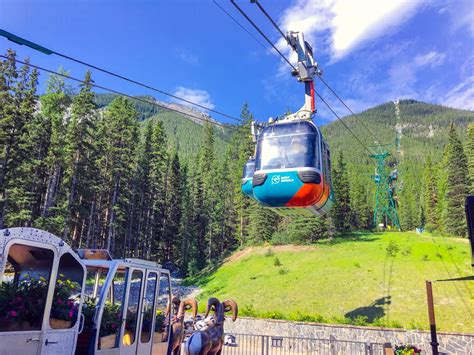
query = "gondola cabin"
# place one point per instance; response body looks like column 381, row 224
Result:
column 247, row 177
column 293, row 168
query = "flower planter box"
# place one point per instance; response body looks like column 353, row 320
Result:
column 59, row 323
column 107, row 342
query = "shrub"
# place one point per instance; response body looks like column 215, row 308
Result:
column 277, row 262
column 283, row 271
column 280, row 238
column 392, row 249
column 248, row 310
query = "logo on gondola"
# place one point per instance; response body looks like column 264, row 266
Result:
column 275, row 179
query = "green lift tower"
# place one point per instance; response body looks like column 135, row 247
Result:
column 385, row 210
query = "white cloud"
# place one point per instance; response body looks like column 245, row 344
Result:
column 349, row 23
column 462, row 95
column 200, row 97
column 432, row 59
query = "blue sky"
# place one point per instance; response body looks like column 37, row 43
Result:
column 371, row 51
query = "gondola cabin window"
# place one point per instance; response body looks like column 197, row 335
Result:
column 289, row 145
column 24, row 287
column 149, row 301
column 111, row 320
column 133, row 308
column 163, row 316
column 67, row 293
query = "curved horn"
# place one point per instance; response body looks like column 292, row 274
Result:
column 211, row 302
column 175, row 302
column 231, row 305
column 187, row 302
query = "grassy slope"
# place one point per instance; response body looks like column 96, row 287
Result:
column 352, row 277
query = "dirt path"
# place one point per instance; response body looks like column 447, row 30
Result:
column 184, row 291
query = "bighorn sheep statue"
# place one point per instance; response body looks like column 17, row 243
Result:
column 177, row 324
column 210, row 340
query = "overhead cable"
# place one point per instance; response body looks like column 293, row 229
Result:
column 262, row 34
column 42, row 49
column 345, row 125
column 120, row 93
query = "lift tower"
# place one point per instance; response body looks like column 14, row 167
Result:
column 385, row 206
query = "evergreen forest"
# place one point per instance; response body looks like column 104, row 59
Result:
column 103, row 171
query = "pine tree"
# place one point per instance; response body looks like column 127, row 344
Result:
column 121, row 132
column 54, row 106
column 360, row 207
column 341, row 211
column 173, row 209
column 263, row 223
column 27, row 153
column 157, row 178
column 430, row 197
column 242, row 148
column 185, row 228
column 79, row 135
column 457, row 185
column 470, row 156
column 144, row 194
column 11, row 128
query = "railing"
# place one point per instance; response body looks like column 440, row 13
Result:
column 250, row 344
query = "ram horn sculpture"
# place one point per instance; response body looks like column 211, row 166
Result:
column 177, row 325
column 210, row 340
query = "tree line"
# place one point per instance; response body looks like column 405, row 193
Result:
column 99, row 178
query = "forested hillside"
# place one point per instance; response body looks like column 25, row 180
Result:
column 184, row 134
column 105, row 172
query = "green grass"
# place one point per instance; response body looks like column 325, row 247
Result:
column 364, row 279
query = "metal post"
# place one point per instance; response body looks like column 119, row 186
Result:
column 368, row 349
column 434, row 340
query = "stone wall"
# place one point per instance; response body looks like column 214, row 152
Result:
column 450, row 343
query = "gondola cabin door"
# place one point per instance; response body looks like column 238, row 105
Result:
column 163, row 315
column 148, row 312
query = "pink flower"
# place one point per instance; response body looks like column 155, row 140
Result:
column 114, row 325
column 60, row 301
column 13, row 313
column 70, row 314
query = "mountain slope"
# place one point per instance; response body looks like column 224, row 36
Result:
column 184, row 133
column 424, row 128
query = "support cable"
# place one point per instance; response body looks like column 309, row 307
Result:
column 271, row 20
column 348, row 108
column 243, row 28
column 119, row 93
column 34, row 46
column 262, row 34
column 345, row 125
